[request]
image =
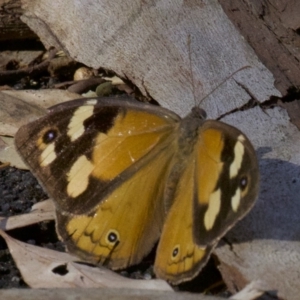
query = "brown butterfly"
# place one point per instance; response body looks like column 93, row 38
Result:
column 124, row 175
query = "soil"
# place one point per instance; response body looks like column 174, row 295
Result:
column 19, row 190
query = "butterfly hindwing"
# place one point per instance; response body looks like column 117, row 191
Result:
column 178, row 257
column 125, row 225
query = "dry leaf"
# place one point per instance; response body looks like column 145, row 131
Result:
column 251, row 291
column 115, row 80
column 20, row 58
column 45, row 268
column 99, row 294
column 8, row 153
column 42, row 211
column 42, row 98
column 15, row 112
column 141, row 51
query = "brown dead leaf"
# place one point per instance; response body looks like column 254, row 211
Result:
column 45, row 268
column 15, row 112
column 97, row 294
column 251, row 291
column 115, row 80
column 20, row 58
column 42, row 98
column 8, row 153
column 41, row 211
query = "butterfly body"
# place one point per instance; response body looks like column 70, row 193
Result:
column 124, row 175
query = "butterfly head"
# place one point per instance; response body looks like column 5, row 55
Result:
column 198, row 113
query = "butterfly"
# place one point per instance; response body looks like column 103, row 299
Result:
column 125, row 175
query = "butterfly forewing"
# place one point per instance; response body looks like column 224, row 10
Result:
column 83, row 149
column 227, row 180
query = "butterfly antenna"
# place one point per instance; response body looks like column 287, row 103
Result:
column 190, row 62
column 192, row 74
column 222, row 82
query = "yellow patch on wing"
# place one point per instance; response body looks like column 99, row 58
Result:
column 76, row 126
column 213, row 209
column 235, row 200
column 178, row 258
column 78, row 176
column 48, row 154
column 133, row 213
column 132, row 136
column 239, row 151
column 241, row 138
column 209, row 165
column 137, row 122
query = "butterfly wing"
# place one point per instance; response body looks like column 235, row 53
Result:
column 217, row 187
column 104, row 163
column 178, row 258
column 124, row 227
column 83, row 149
column 227, row 179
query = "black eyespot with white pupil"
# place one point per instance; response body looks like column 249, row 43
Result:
column 243, row 182
column 175, row 252
column 112, row 237
column 50, row 136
